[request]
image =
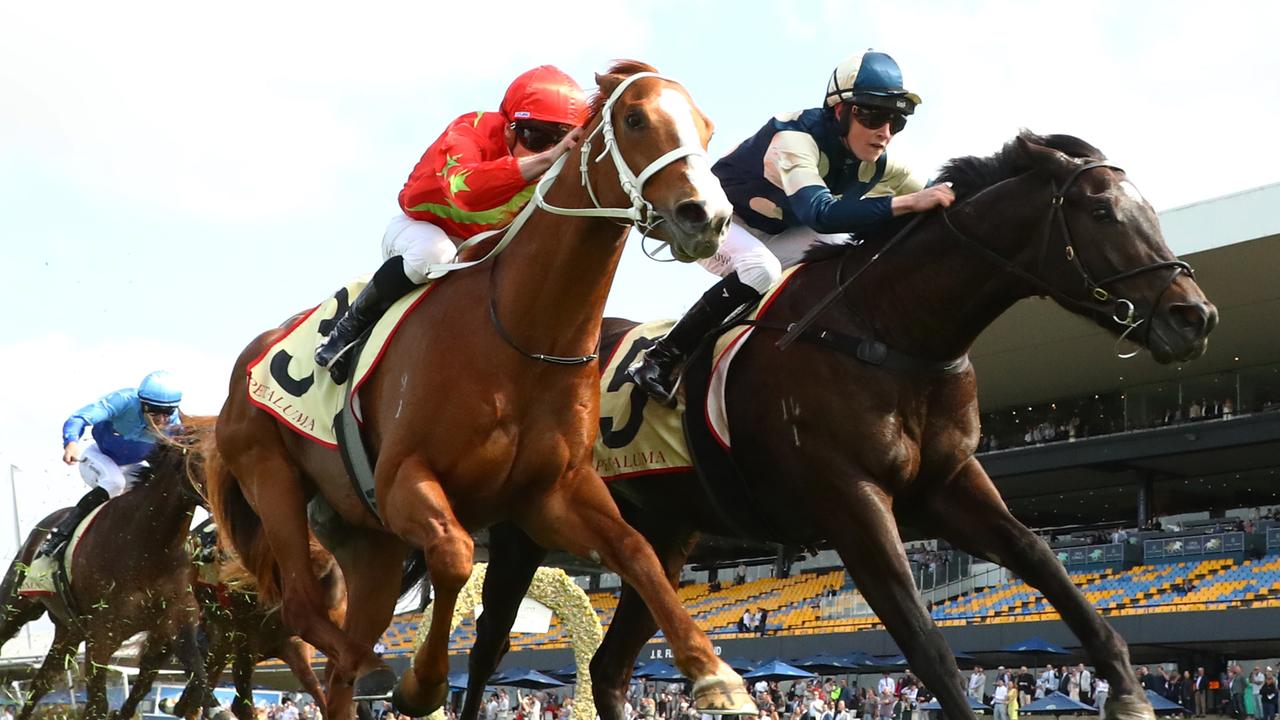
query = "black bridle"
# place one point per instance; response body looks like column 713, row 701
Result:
column 1097, row 299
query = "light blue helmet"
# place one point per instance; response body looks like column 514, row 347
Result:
column 870, row 78
column 160, row 389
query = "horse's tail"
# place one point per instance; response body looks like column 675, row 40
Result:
column 12, row 616
column 239, row 527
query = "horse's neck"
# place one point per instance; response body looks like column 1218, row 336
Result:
column 555, row 276
column 935, row 293
column 164, row 507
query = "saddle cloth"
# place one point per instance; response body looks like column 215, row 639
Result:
column 41, row 576
column 639, row 437
column 285, row 381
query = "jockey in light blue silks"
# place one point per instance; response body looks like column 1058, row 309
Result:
column 127, row 424
column 806, row 177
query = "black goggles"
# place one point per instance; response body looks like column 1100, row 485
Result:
column 157, row 410
column 875, row 118
column 541, row 136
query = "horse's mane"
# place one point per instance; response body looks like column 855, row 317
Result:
column 970, row 174
column 619, row 71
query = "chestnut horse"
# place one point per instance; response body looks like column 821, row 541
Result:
column 483, row 409
column 130, row 574
column 834, row 450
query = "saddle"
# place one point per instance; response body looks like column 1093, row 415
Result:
column 49, row 575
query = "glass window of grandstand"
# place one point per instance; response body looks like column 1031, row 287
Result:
column 1213, row 396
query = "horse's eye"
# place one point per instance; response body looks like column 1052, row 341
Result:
column 635, row 120
column 1103, row 212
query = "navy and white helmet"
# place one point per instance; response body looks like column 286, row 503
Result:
column 160, row 389
column 870, row 79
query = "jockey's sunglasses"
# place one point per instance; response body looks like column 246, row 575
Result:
column 157, row 410
column 875, row 118
column 539, row 137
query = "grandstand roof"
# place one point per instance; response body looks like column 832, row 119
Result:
column 1038, row 351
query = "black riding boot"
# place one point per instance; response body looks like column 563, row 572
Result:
column 654, row 371
column 61, row 532
column 389, row 284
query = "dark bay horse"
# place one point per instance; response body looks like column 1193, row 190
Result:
column 834, row 450
column 130, row 574
column 241, row 631
column 483, row 409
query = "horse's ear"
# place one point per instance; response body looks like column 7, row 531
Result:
column 1045, row 159
column 607, row 83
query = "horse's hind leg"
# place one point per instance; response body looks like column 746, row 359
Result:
column 371, row 562
column 273, row 488
column 582, row 518
column 418, row 511
column 513, row 560
column 967, row 511
column 858, row 519
column 633, row 625
column 297, row 655
column 61, row 653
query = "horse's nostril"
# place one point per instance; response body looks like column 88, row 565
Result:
column 692, row 214
column 1196, row 318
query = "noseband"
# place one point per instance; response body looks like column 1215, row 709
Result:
column 1097, row 299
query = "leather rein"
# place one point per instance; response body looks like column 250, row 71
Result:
column 1096, row 297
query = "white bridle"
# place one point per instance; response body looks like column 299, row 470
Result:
column 640, row 213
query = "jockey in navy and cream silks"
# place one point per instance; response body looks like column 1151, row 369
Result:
column 806, row 177
column 125, row 430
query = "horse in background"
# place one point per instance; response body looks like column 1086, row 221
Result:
column 830, row 448
column 130, row 573
column 241, row 631
column 481, row 410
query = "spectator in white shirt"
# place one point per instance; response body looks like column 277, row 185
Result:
column 887, row 685
column 977, row 684
column 1000, row 701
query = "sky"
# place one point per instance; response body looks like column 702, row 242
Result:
column 177, row 177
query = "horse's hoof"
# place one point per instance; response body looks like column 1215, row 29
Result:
column 410, row 698
column 375, row 683
column 723, row 694
column 1128, row 707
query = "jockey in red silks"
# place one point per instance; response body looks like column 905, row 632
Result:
column 476, row 176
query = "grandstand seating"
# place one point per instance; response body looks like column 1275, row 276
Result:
column 795, row 604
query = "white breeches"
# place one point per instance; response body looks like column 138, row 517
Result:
column 759, row 259
column 98, row 470
column 420, row 243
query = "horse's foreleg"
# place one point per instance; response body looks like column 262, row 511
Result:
column 633, row 625
column 297, row 655
column 371, row 562
column 858, row 519
column 581, row 517
column 513, row 560
column 242, row 677
column 187, row 650
column 418, row 511
column 968, row 512
column 97, row 658
column 155, row 651
column 56, row 661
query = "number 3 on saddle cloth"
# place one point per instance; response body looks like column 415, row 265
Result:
column 639, row 437
column 284, row 380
